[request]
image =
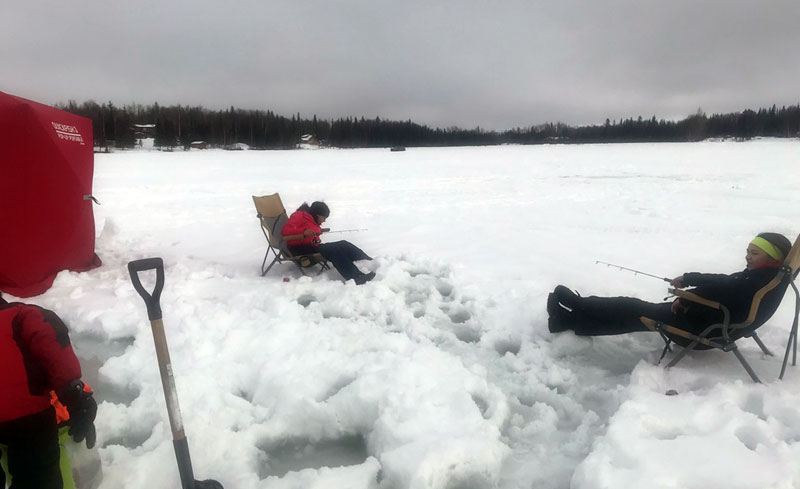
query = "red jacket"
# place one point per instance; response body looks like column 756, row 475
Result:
column 298, row 222
column 35, row 358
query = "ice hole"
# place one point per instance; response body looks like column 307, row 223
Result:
column 306, row 299
column 91, row 345
column 294, row 455
column 114, row 393
column 131, row 439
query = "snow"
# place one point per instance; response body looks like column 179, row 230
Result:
column 440, row 373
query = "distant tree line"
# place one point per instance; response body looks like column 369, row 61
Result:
column 178, row 125
column 772, row 122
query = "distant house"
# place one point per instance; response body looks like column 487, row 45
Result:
column 144, row 131
column 144, row 134
column 308, row 141
column 198, row 145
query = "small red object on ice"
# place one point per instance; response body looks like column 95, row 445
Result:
column 286, row 279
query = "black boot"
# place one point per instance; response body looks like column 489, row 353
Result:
column 559, row 319
column 567, row 298
column 364, row 278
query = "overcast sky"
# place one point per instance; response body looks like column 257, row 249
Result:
column 494, row 64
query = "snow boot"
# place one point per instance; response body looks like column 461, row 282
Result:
column 364, row 278
column 567, row 298
column 558, row 318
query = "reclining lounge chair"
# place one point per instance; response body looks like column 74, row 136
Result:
column 724, row 336
column 272, row 216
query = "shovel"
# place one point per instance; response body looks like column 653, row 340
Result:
column 179, row 441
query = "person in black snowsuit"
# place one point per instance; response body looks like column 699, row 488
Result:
column 596, row 316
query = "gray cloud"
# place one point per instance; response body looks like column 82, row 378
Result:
column 466, row 63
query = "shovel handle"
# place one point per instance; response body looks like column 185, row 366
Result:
column 151, row 300
column 179, row 441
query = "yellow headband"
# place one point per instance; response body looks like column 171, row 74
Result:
column 768, row 248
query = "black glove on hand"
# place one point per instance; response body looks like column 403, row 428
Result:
column 82, row 410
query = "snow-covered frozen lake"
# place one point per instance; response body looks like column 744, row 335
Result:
column 441, row 372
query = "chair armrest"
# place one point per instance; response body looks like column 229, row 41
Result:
column 649, row 323
column 690, row 296
column 659, row 327
column 312, row 255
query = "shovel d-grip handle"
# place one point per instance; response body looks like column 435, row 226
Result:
column 151, row 300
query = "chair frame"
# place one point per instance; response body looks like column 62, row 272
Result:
column 277, row 245
column 727, row 342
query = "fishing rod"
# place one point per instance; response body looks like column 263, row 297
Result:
column 638, row 272
column 323, row 230
column 328, row 230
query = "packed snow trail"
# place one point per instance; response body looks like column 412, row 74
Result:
column 440, row 373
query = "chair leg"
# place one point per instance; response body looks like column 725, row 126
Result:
column 789, row 344
column 683, row 353
column 264, row 272
column 761, row 344
column 735, row 351
column 746, row 365
column 794, row 326
column 323, row 265
column 667, row 348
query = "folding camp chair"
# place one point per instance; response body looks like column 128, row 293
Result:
column 272, row 216
column 723, row 336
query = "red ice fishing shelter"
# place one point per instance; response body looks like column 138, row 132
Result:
column 46, row 218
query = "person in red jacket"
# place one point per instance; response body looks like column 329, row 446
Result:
column 36, row 357
column 304, row 225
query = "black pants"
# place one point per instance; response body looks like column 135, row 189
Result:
column 33, row 451
column 341, row 254
column 599, row 316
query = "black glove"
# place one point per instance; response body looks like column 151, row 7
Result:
column 82, row 410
